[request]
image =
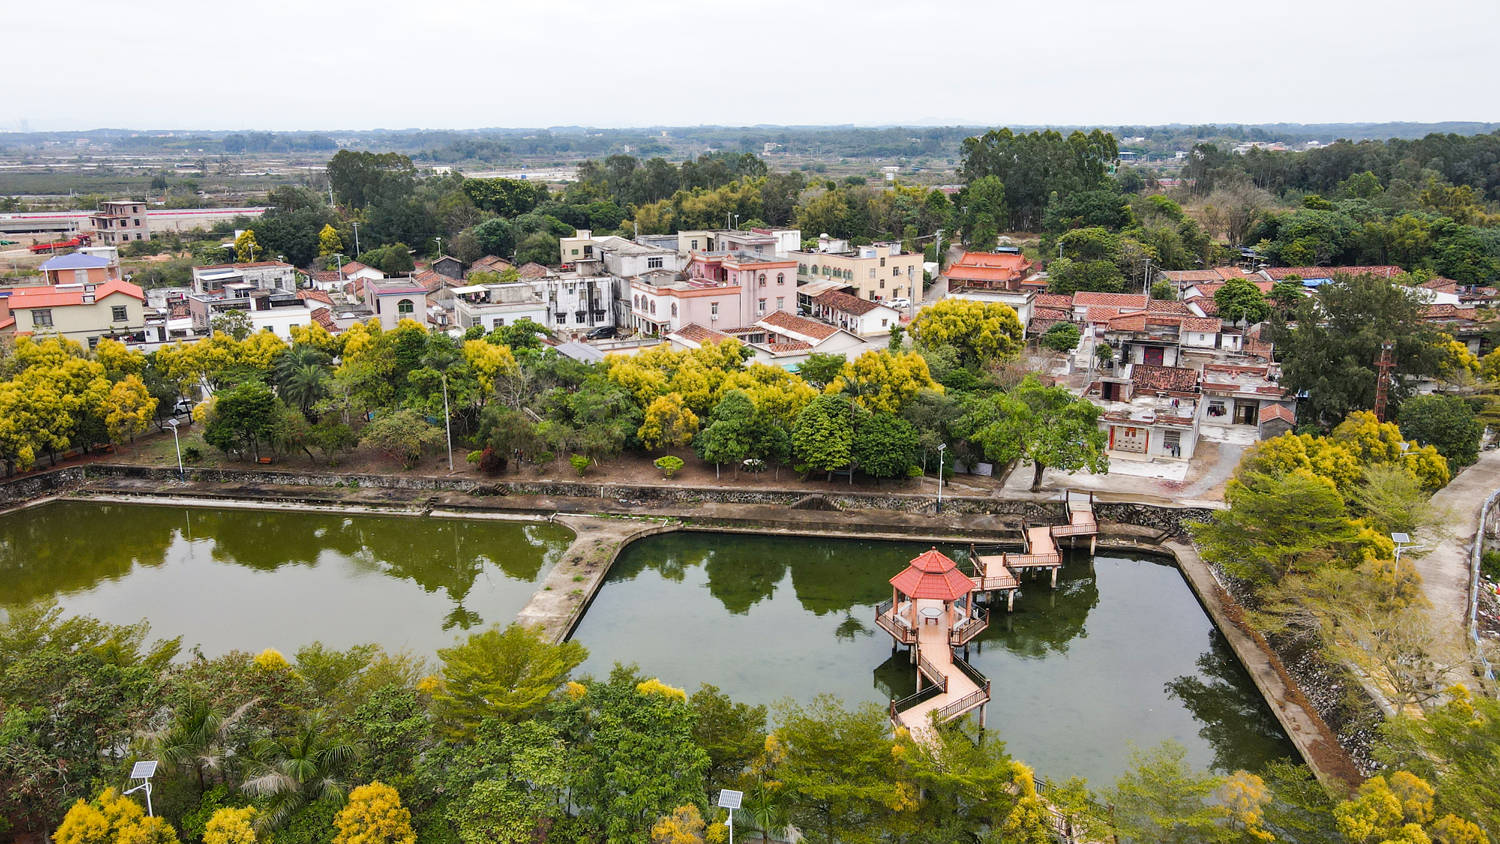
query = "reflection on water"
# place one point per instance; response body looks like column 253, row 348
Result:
column 1120, row 655
column 248, row 579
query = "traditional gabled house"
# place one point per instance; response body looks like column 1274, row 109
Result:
column 1149, row 411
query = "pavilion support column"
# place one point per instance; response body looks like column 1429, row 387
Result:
column 1010, row 600
column 1054, row 576
column 1092, row 538
column 982, row 708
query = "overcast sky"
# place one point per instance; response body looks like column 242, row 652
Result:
column 342, row 64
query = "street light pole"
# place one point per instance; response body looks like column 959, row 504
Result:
column 181, row 475
column 942, row 447
column 447, row 420
column 356, row 239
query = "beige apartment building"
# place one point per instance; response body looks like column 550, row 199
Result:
column 880, row 272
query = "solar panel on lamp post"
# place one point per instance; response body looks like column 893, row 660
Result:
column 172, row 423
column 731, row 800
column 144, row 771
column 1402, row 540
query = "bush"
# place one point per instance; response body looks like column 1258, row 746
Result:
column 1489, row 564
column 579, row 463
column 1446, row 423
column 1062, row 337
column 668, row 465
column 491, row 463
column 192, row 454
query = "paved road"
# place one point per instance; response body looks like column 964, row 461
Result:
column 1445, row 569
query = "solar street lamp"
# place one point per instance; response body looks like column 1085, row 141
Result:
column 942, row 447
column 143, row 771
column 1402, row 540
column 730, row 800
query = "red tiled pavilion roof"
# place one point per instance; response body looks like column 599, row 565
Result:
column 933, row 575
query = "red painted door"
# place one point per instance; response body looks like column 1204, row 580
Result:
column 1154, row 355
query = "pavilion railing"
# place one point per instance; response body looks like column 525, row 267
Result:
column 933, row 673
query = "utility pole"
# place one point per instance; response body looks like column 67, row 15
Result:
column 1384, row 365
column 356, row 240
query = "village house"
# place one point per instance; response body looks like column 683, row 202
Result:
column 259, row 275
column 492, row 306
column 395, row 299
column 1149, row 411
column 718, row 290
column 80, row 312
column 79, row 268
column 1008, row 271
column 1239, row 394
column 449, row 266
column 859, row 317
column 489, row 264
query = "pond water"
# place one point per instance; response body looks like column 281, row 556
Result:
column 239, row 579
column 1121, row 655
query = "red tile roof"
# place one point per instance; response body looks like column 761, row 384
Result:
column 1441, row 285
column 933, row 575
column 354, row 266
column 315, row 295
column 1167, row 306
column 46, row 296
column 1175, row 379
column 532, row 269
column 1279, row 273
column 490, row 263
column 1206, row 324
column 1050, row 313
column 789, row 346
column 324, row 317
column 989, row 266
column 1053, row 300
column 1227, row 273
column 1113, row 300
column 326, row 275
column 1277, row 411
column 1446, row 312
column 783, row 322
column 846, row 303
column 1191, row 276
column 698, row 334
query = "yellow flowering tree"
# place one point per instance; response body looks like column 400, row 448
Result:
column 979, row 331
column 882, row 381
column 129, row 408
column 489, row 361
column 374, row 815
column 668, row 423
column 229, row 825
column 112, row 818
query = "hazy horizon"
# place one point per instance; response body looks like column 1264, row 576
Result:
column 461, row 64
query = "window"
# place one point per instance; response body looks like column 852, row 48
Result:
column 653, row 307
column 562, row 318
column 405, row 307
column 117, row 313
column 588, row 251
column 80, row 276
column 882, row 262
column 137, row 235
column 760, row 306
column 654, row 263
column 713, row 310
column 781, row 278
column 814, row 269
column 872, row 272
column 674, row 309
column 42, row 318
column 575, row 251
column 872, row 295
column 762, row 279
column 882, row 284
column 780, row 303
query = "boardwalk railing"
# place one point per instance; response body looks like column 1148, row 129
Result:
column 978, row 622
column 933, row 673
column 885, row 618
column 899, row 706
column 963, row 704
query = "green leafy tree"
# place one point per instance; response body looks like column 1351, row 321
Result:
column 836, row 770
column 509, row 783
column 820, row 369
column 1278, row 525
column 1331, row 353
column 732, row 734
column 1448, row 423
column 730, row 434
column 241, row 419
column 1239, row 300
column 1161, row 799
column 1046, row 426
column 402, row 435
column 504, row 674
column 886, row 446
column 1067, row 275
column 1163, row 291
column 823, row 436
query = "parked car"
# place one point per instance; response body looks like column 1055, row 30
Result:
column 603, row 332
column 899, row 303
column 183, row 406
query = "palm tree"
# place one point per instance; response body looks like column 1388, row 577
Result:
column 299, row 769
column 196, row 739
column 301, row 375
column 767, row 809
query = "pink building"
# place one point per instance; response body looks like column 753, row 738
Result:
column 717, row 290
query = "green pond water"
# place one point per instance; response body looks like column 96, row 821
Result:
column 238, row 579
column 1121, row 655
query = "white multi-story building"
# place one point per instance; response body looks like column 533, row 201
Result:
column 260, row 275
